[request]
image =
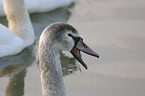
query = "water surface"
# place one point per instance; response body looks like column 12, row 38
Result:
column 113, row 28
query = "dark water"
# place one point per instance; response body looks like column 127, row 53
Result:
column 113, row 28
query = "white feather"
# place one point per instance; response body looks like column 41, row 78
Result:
column 40, row 5
column 20, row 33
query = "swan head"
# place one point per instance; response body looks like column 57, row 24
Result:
column 65, row 37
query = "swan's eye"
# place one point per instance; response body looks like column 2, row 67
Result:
column 70, row 35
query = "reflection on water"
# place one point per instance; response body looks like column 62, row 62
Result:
column 115, row 29
column 16, row 84
column 68, row 65
column 15, row 66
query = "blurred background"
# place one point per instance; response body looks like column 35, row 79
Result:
column 115, row 29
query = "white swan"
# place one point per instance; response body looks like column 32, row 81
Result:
column 55, row 38
column 20, row 33
column 40, row 5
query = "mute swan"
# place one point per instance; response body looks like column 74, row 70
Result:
column 40, row 5
column 55, row 38
column 20, row 33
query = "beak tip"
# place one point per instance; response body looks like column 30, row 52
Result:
column 85, row 66
column 96, row 55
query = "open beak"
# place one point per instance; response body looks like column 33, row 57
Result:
column 81, row 46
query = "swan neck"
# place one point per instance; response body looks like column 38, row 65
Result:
column 51, row 72
column 19, row 21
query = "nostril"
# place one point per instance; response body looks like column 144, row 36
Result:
column 84, row 45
